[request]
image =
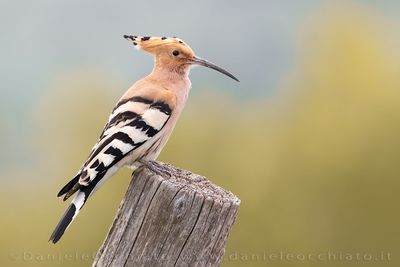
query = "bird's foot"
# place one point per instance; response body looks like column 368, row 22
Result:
column 151, row 165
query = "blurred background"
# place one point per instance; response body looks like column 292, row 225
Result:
column 309, row 140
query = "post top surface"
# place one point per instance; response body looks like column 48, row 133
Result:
column 187, row 180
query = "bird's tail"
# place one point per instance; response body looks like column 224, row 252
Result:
column 69, row 215
column 83, row 193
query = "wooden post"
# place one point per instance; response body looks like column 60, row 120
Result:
column 169, row 217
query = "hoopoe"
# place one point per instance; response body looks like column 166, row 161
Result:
column 140, row 123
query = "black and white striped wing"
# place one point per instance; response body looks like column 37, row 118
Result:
column 132, row 123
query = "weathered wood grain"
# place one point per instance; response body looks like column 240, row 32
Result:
column 169, row 217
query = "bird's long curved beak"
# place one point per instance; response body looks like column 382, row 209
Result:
column 208, row 64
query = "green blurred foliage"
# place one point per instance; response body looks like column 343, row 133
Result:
column 316, row 166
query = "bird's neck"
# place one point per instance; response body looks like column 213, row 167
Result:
column 175, row 79
column 170, row 70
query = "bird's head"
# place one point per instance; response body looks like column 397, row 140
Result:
column 172, row 53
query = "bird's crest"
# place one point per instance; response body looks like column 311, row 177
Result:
column 153, row 43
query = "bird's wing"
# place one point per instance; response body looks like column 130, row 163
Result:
column 133, row 122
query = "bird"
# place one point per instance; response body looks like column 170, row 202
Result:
column 141, row 122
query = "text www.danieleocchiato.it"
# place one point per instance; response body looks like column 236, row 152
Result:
column 323, row 256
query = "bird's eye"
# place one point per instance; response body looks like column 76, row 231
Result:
column 175, row 53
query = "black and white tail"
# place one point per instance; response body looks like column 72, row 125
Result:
column 82, row 195
column 69, row 215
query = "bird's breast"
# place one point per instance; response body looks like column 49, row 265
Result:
column 153, row 147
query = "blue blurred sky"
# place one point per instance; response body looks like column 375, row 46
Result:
column 41, row 39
